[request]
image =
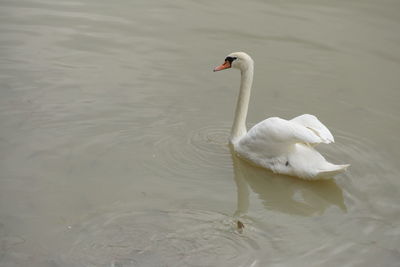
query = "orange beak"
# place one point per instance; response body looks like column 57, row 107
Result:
column 226, row 65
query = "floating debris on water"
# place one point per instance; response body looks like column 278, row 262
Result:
column 240, row 226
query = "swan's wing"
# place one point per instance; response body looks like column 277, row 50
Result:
column 311, row 122
column 273, row 139
column 277, row 130
column 283, row 146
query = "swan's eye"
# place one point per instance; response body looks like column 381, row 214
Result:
column 230, row 59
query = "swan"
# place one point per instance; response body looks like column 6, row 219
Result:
column 282, row 146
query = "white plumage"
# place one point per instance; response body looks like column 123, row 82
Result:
column 287, row 147
column 283, row 146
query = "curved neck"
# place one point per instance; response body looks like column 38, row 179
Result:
column 239, row 123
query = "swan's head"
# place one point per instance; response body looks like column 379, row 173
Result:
column 237, row 60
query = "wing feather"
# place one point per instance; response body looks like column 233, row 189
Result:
column 280, row 130
column 273, row 137
column 312, row 122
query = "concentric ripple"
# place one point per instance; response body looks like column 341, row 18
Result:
column 163, row 238
column 371, row 169
column 204, row 151
column 348, row 149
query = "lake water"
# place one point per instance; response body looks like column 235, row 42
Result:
column 113, row 133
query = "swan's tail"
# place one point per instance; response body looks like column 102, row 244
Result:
column 332, row 170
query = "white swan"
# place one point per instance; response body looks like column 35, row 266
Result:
column 283, row 146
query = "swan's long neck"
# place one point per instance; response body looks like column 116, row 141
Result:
column 239, row 123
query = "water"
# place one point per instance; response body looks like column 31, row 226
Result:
column 113, row 141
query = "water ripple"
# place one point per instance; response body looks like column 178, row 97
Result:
column 202, row 150
column 155, row 238
column 371, row 170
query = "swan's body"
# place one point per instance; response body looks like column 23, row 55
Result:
column 283, row 146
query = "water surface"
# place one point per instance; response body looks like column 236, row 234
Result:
column 113, row 141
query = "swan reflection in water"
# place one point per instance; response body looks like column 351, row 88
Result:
column 283, row 193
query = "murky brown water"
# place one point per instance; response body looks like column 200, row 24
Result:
column 113, row 140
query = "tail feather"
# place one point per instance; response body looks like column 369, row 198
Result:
column 332, row 170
